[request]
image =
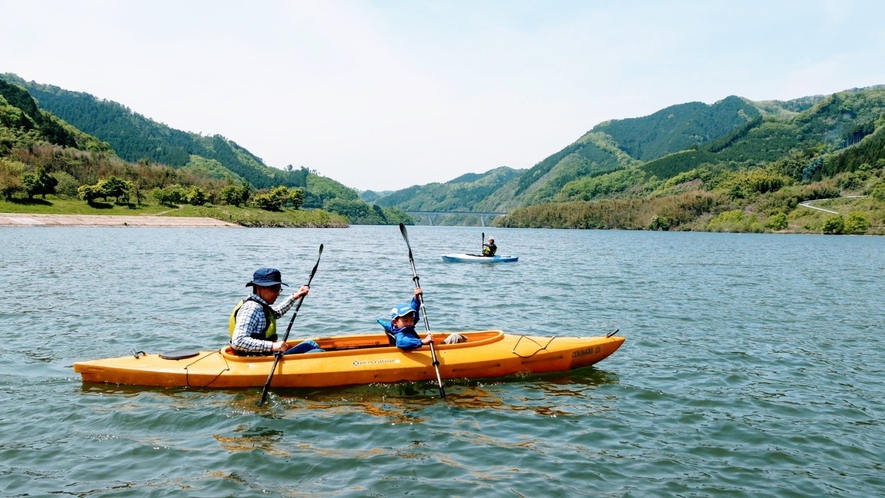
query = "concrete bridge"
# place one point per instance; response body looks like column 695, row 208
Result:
column 432, row 215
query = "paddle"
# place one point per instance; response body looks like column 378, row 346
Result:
column 482, row 246
column 279, row 354
column 442, row 390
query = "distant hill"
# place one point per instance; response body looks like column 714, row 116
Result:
column 752, row 178
column 136, row 138
column 25, row 124
column 808, row 139
column 828, row 126
column 678, row 166
column 461, row 194
column 149, row 155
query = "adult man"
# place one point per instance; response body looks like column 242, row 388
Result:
column 489, row 248
column 253, row 322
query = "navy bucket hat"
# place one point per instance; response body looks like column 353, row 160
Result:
column 266, row 277
column 402, row 310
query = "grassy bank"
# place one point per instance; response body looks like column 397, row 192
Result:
column 249, row 217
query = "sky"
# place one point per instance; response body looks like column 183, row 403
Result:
column 383, row 95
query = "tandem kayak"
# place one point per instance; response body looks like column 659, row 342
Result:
column 477, row 258
column 356, row 360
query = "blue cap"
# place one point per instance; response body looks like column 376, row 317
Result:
column 266, row 277
column 401, row 310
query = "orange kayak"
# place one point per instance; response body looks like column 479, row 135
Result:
column 357, row 359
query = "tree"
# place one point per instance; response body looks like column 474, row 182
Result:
column 878, row 191
column 273, row 200
column 266, row 202
column 116, row 188
column 170, row 196
column 834, row 225
column 89, row 193
column 280, row 197
column 29, row 180
column 296, row 197
column 234, row 195
column 39, row 183
column 67, row 184
column 230, row 195
column 197, row 196
column 777, row 221
column 856, row 224
column 10, row 177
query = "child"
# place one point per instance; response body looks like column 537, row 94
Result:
column 401, row 326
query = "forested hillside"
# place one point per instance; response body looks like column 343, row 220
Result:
column 610, row 146
column 461, row 194
column 23, row 124
column 735, row 165
column 136, row 138
column 753, row 178
column 158, row 162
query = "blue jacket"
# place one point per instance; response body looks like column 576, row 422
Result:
column 406, row 337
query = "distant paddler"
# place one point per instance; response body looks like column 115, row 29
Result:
column 489, row 248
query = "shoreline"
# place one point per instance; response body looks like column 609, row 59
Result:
column 93, row 220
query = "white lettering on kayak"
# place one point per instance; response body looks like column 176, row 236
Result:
column 358, row 363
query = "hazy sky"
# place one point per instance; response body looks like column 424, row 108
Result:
column 383, row 95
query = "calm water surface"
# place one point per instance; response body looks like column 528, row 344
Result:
column 753, row 366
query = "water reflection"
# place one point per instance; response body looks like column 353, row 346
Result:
column 262, row 438
column 561, row 393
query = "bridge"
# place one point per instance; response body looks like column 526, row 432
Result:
column 432, row 215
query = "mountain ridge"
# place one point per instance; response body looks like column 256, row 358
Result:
column 803, row 139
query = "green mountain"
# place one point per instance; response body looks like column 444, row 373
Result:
column 727, row 154
column 614, row 155
column 753, row 178
column 461, row 194
column 683, row 166
column 821, row 129
column 23, row 124
column 136, row 138
column 212, row 163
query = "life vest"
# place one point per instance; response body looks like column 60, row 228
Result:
column 270, row 321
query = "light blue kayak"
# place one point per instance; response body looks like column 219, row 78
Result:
column 477, row 258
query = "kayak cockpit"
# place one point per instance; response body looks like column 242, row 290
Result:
column 338, row 345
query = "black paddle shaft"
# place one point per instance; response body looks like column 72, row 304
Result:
column 279, row 354
column 442, row 390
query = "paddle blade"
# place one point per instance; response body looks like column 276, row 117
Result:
column 402, row 230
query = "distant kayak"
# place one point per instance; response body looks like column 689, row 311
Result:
column 478, row 258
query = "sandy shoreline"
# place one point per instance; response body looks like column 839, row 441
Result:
column 88, row 220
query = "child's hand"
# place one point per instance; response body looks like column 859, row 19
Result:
column 427, row 339
column 418, row 291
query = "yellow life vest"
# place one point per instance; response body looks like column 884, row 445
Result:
column 270, row 320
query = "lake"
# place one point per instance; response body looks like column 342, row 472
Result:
column 753, row 365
